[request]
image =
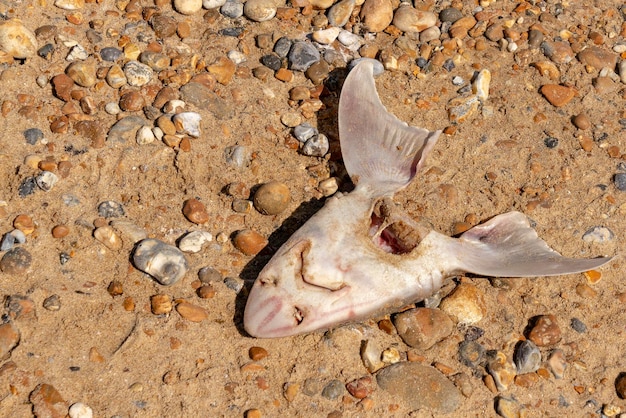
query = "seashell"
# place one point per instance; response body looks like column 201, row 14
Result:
column 46, row 180
column 164, row 262
column 107, row 236
column 17, row 40
column 527, row 357
column 188, row 123
column 193, row 241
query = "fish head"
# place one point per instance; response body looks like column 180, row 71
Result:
column 292, row 295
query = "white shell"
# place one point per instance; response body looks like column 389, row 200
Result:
column 164, row 262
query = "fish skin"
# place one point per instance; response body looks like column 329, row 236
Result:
column 338, row 268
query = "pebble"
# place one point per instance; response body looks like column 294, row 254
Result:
column 329, row 186
column 272, row 198
column 620, row 385
column 461, row 109
column 419, row 386
column 188, row 123
column 257, row 353
column 370, row 355
column 598, row 234
column 111, row 209
column 290, row 390
column 137, row 74
column 33, row 135
column 187, row 7
column 361, row 388
column 212, row 4
column 450, row 15
column 620, row 181
column 9, row 339
column 24, row 223
column 46, row 180
column 62, row 84
column 77, row 53
column 558, row 95
column 480, row 85
column 154, row 60
column 132, row 101
column 115, row 77
column 282, row 47
column 193, row 241
column 545, row 331
column 466, row 304
column 69, row 4
column 164, row 262
column 326, row 36
column 502, row 369
column 200, row 96
column 557, row 363
column 208, row 275
column 47, row 402
column 312, row 386
column 409, row 19
column 259, row 10
column 107, row 236
column 249, row 242
column 222, row 69
column 16, row 261
column 376, row 15
column 471, row 353
column 195, row 211
column 430, row 34
column 145, row 135
column 234, row 283
column 271, row 61
column 111, row 54
column 80, row 410
column 191, row 312
column 161, row 304
column 581, row 121
column 232, row 9
column 551, row 142
column 527, row 357
column 422, row 328
column 353, row 42
column 558, row 52
column 45, row 52
column 578, row 325
column 8, row 240
column 82, row 73
column 508, row 407
column 17, row 40
column 129, row 230
column 340, row 12
column 621, row 67
column 333, row 390
column 52, row 303
column 597, row 58
column 302, row 55
column 237, row 155
column 316, row 146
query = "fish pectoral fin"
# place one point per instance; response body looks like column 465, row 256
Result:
column 507, row 246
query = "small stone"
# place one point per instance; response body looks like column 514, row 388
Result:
column 545, row 331
column 115, row 77
column 45, row 52
column 326, row 36
column 164, row 262
column 312, row 386
column 480, row 85
column 52, row 303
column 237, row 155
column 353, row 42
column 461, row 109
column 340, row 12
column 302, row 55
column 160, row 304
column 9, row 339
column 502, row 369
column 620, row 181
column 107, row 236
column 164, row 26
column 290, row 119
column 46, row 180
column 191, row 312
column 62, row 84
column 17, row 40
column 195, row 211
column 318, row 72
column 110, row 209
column 223, row 70
column 290, row 390
column 69, row 4
column 271, row 61
column 16, row 261
column 419, row 386
column 111, row 54
column 558, row 95
column 8, row 240
column 559, row 52
column 257, row 353
column 212, row 4
column 137, row 74
column 187, row 7
column 429, row 34
column 329, row 186
column 234, row 283
column 201, row 96
column 259, row 10
column 80, row 410
column 376, row 15
column 450, row 15
column 27, row 187
column 249, row 242
column 187, row 123
column 115, row 288
column 254, row 413
column 527, row 357
column 316, row 146
column 551, row 142
column 333, row 390
column 232, row 9
column 409, row 19
column 132, row 101
column 209, row 275
column 466, row 304
column 471, row 353
column 282, row 47
column 361, row 388
column 557, row 363
column 622, row 71
column 82, row 73
column 578, row 325
column 597, row 58
column 155, row 60
column 47, row 402
column 272, row 198
column 370, row 355
column 581, row 121
column 145, row 135
column 205, row 292
column 60, row 231
column 24, row 223
column 422, row 327
column 509, row 408
column 598, row 234
column 193, row 241
column 33, row 135
column 390, row 355
column 620, row 385
column 304, row 132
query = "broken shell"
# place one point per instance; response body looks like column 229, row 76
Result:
column 193, row 241
column 46, row 180
column 188, row 123
column 164, row 262
column 107, row 236
column 17, row 40
column 527, row 357
column 480, row 86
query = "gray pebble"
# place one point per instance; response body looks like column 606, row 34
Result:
column 271, row 61
column 471, row 353
column 137, row 74
column 450, row 15
column 234, row 32
column 46, row 51
column 312, row 386
column 15, row 261
column 237, row 155
column 27, row 187
column 52, row 303
column 527, row 357
column 302, row 55
column 111, row 54
column 317, row 146
column 111, row 209
column 232, row 9
column 282, row 47
column 333, row 390
column 200, row 96
column 7, row 242
column 164, row 262
column 233, row 283
column 46, row 180
column 208, row 275
column 578, row 325
column 33, row 135
column 304, row 132
column 70, row 200
column 126, row 128
column 620, row 181
column 598, row 234
column 378, row 66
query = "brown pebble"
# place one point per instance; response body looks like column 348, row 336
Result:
column 95, row 356
column 546, row 331
column 558, row 95
column 290, row 390
column 205, row 291
column 272, row 198
column 423, row 327
column 16, row 261
column 161, row 304
column 249, row 242
column 47, row 402
column 361, row 388
column 9, row 338
column 62, row 85
column 132, row 101
column 257, row 353
column 24, row 223
column 195, row 211
column 585, row 291
column 191, row 312
column 586, row 143
column 620, row 385
column 593, row 276
column 376, row 15
column 283, row 74
column 115, row 288
column 386, row 326
column 128, row 304
column 253, row 413
column 581, row 121
column 60, row 231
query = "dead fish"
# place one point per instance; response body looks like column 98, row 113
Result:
column 360, row 256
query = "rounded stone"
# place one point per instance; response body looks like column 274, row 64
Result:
column 187, row 7
column 80, row 410
column 581, row 121
column 257, row 353
column 422, row 327
column 409, row 19
column 620, row 181
column 17, row 40
column 33, row 135
column 377, row 14
column 9, row 338
column 527, row 357
column 466, row 304
column 558, row 95
column 195, row 211
column 137, row 74
column 316, row 146
column 191, row 312
column 334, row 389
column 340, row 12
column 545, row 331
column 302, row 55
column 232, row 9
column 15, row 261
column 60, row 231
column 161, row 304
column 620, row 385
column 249, row 242
column 110, row 209
column 111, row 54
column 164, row 262
column 259, row 10
column 132, row 101
column 82, row 73
column 450, row 15
column 193, row 241
column 212, row 4
column 272, row 198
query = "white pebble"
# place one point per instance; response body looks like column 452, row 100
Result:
column 236, row 57
column 158, row 133
column 326, row 36
column 46, row 180
column 259, row 10
column 188, row 123
column 145, row 135
column 112, row 108
column 213, row 4
column 193, row 241
column 80, row 410
column 622, row 71
column 17, row 40
column 350, row 40
column 42, row 81
column 187, row 7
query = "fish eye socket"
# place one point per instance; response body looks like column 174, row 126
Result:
column 267, row 281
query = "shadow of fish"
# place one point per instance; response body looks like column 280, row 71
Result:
column 361, row 256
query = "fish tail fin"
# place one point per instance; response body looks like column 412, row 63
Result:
column 507, row 246
column 380, row 152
